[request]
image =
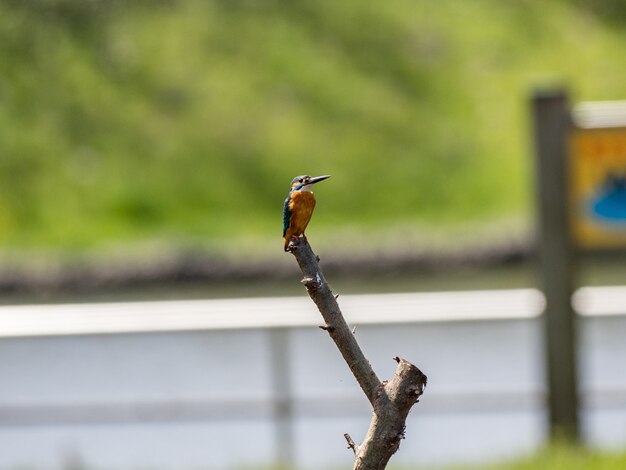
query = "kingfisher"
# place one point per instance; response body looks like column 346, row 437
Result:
column 299, row 207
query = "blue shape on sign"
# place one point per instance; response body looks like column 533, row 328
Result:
column 609, row 204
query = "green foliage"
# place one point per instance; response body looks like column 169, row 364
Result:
column 562, row 457
column 559, row 457
column 180, row 120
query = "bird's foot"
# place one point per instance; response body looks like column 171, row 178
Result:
column 294, row 241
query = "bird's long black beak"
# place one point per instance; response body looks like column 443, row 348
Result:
column 317, row 179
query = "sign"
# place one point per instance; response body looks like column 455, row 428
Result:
column 598, row 186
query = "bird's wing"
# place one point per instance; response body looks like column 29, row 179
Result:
column 286, row 216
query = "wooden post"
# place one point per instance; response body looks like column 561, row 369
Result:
column 552, row 125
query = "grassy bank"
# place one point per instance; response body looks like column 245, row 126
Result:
column 558, row 457
column 565, row 458
column 180, row 123
column 553, row 458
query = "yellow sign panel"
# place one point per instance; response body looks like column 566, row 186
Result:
column 598, row 187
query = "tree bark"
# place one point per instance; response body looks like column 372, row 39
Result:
column 391, row 400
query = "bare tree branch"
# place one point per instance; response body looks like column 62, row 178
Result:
column 351, row 444
column 391, row 401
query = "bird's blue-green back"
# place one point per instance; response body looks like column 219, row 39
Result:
column 286, row 215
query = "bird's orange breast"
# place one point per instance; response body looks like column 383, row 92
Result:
column 301, row 206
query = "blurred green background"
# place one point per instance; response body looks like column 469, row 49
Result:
column 176, row 124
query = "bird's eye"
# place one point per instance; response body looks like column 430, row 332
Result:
column 301, row 180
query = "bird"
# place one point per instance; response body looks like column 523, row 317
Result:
column 298, row 207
